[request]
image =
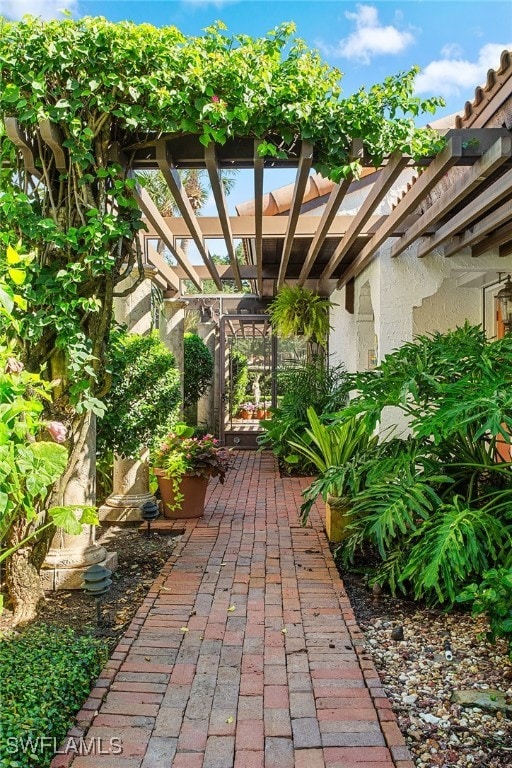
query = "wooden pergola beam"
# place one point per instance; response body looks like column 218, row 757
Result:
column 506, row 249
column 172, row 177
column 335, row 198
column 212, row 166
column 492, row 196
column 52, row 136
column 167, row 272
column 383, row 183
column 259, row 165
column 484, row 167
column 428, row 179
column 494, row 220
column 151, row 211
column 501, row 236
column 18, row 138
column 305, row 162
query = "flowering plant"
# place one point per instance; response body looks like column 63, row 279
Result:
column 247, row 406
column 180, row 453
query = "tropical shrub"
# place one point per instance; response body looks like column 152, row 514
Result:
column 198, row 369
column 493, row 596
column 32, row 458
column 144, row 397
column 46, row 676
column 435, row 506
column 304, row 385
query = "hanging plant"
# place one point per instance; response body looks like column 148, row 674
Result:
column 297, row 311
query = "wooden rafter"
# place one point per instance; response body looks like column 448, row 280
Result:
column 428, row 179
column 500, row 151
column 506, row 249
column 18, row 138
column 491, row 197
column 335, row 198
column 501, row 236
column 383, row 183
column 305, row 162
column 172, row 177
column 258, row 215
column 163, row 268
column 151, row 211
column 51, row 134
column 275, row 226
column 473, row 235
column 212, row 166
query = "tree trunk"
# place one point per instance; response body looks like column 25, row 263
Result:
column 22, row 572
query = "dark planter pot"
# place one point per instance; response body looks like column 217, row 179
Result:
column 193, row 489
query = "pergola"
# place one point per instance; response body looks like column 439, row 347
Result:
column 326, row 251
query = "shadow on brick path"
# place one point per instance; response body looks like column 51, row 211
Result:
column 245, row 652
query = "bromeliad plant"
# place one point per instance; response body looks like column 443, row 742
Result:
column 180, row 453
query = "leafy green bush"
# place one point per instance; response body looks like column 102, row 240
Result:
column 436, row 506
column 144, row 398
column 493, row 596
column 46, row 676
column 198, row 368
column 239, row 379
column 304, row 385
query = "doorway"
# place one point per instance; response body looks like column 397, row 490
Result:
column 247, row 387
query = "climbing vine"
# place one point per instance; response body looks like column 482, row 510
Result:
column 84, row 95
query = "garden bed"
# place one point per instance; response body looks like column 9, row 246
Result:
column 140, row 561
column 421, row 683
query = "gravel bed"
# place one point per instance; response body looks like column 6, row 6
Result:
column 422, row 683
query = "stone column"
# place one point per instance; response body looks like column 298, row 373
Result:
column 206, row 407
column 70, row 556
column 172, row 329
column 131, row 476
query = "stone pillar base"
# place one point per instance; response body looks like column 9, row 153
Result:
column 62, row 577
column 126, row 514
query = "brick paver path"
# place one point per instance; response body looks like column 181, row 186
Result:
column 245, row 653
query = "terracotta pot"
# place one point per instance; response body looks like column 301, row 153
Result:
column 244, row 414
column 336, row 518
column 259, row 414
column 193, row 489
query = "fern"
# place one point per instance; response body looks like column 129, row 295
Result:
column 297, row 311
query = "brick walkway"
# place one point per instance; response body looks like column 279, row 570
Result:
column 270, row 672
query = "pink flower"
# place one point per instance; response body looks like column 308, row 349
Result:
column 215, row 99
column 13, row 366
column 57, row 430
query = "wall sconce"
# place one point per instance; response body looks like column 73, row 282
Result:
column 504, row 298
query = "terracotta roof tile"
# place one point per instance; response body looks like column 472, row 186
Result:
column 497, row 80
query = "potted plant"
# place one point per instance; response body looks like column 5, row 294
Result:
column 246, row 410
column 183, row 465
column 332, row 449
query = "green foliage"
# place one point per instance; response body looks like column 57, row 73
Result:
column 454, row 545
column 239, row 380
column 297, row 311
column 181, row 453
column 333, row 446
column 436, row 506
column 144, row 397
column 29, row 464
column 46, row 676
column 198, row 368
column 493, row 596
column 304, row 385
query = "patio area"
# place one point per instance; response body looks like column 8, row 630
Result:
column 245, row 652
